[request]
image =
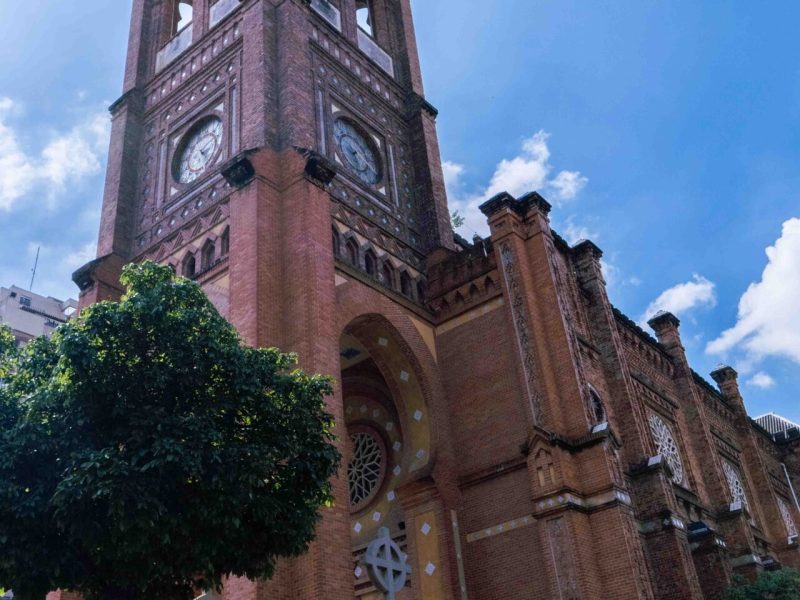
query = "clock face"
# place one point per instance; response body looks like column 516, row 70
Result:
column 357, row 151
column 198, row 150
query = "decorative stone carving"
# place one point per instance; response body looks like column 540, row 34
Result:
column 319, row 169
column 387, row 564
column 239, row 171
column 788, row 521
column 521, row 329
column 563, row 559
column 666, row 447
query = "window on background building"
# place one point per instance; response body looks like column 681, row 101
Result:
column 25, row 301
column 364, row 16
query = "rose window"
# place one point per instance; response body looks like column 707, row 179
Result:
column 734, row 483
column 367, row 467
column 791, row 528
column 666, row 447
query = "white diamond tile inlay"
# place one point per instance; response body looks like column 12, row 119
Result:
column 364, row 409
column 397, row 471
column 376, row 516
column 383, row 342
column 358, row 572
column 391, row 496
column 389, row 426
column 418, row 415
column 420, row 453
column 397, row 446
column 357, row 527
column 404, row 376
column 430, row 568
column 426, row 529
column 376, row 413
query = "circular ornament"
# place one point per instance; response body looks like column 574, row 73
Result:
column 367, row 467
column 198, row 150
column 666, row 447
column 358, row 151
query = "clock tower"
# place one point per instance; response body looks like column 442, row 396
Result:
column 282, row 153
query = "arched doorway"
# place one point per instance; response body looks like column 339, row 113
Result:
column 389, row 435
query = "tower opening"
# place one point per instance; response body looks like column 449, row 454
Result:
column 364, row 16
column 182, row 16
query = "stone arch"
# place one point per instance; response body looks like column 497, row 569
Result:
column 374, row 355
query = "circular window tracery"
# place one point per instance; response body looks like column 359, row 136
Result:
column 666, row 447
column 367, row 467
column 734, row 483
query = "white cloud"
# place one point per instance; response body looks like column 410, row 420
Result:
column 530, row 170
column 67, row 158
column 682, row 298
column 575, row 233
column 79, row 257
column 568, row 184
column 767, row 322
column 761, row 380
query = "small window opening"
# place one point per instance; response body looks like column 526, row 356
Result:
column 225, row 243
column 598, row 410
column 25, row 301
column 388, row 275
column 209, row 254
column 421, row 291
column 184, row 13
column 352, row 252
column 405, row 284
column 189, row 267
column 370, row 264
column 336, row 244
column 364, row 16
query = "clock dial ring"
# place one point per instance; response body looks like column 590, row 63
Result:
column 198, row 150
column 357, row 151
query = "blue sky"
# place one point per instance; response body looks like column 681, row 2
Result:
column 666, row 132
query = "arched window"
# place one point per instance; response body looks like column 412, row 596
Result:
column 421, row 291
column 405, row 284
column 208, row 257
column 225, row 242
column 189, row 268
column 182, row 16
column 364, row 16
column 387, row 272
column 336, row 244
column 352, row 252
column 370, row 263
column 597, row 408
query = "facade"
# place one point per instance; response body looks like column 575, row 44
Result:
column 518, row 436
column 30, row 315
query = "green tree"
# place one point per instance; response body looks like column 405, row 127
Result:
column 772, row 585
column 145, row 451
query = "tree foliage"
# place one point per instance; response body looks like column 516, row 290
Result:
column 772, row 585
column 146, row 452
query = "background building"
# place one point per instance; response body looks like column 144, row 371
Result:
column 519, row 436
column 30, row 315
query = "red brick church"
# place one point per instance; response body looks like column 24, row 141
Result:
column 518, row 436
